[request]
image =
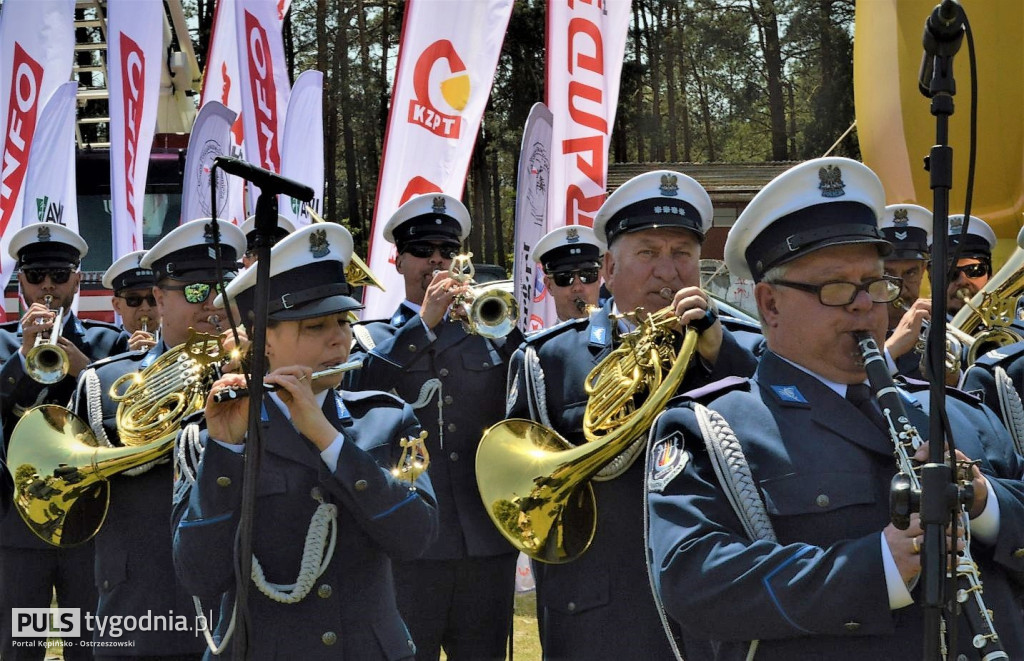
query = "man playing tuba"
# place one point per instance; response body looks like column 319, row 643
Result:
column 654, row 226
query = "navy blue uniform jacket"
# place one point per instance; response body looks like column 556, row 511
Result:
column 600, row 605
column 471, row 371
column 350, row 613
column 823, row 470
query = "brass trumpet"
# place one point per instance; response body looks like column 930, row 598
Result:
column 488, row 310
column 46, row 362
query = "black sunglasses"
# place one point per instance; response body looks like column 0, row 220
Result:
column 36, row 276
column 195, row 292
column 976, row 270
column 565, row 278
column 425, row 250
column 135, row 300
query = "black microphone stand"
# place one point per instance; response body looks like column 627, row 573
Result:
column 940, row 496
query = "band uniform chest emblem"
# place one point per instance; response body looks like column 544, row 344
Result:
column 668, row 458
column 789, row 394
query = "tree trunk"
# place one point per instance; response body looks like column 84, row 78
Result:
column 639, row 100
column 671, row 56
column 766, row 20
column 330, row 127
column 351, row 191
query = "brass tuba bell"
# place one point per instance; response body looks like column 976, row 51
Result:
column 988, row 315
column 535, row 485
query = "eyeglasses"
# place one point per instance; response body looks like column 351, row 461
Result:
column 975, row 270
column 135, row 300
column 837, row 294
column 36, row 276
column 196, row 292
column 565, row 278
column 425, row 250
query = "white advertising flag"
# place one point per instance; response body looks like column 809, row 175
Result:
column 264, row 82
column 210, row 138
column 302, row 149
column 446, row 62
column 586, row 44
column 536, row 307
column 135, row 42
column 37, row 42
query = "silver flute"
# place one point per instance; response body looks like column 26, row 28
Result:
column 227, row 394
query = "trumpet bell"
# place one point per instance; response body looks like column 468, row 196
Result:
column 494, row 311
column 521, row 467
column 47, row 363
column 60, row 474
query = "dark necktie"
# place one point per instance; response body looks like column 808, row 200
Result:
column 859, row 394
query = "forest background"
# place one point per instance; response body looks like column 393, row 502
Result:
column 703, row 81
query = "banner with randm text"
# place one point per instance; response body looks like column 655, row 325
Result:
column 446, row 63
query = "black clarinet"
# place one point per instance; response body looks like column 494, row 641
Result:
column 906, row 440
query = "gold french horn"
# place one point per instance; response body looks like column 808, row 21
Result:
column 536, row 487
column 60, row 468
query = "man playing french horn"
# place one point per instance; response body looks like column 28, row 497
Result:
column 134, row 565
column 768, row 499
column 48, row 257
column 654, row 226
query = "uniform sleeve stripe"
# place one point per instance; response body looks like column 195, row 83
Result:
column 771, row 592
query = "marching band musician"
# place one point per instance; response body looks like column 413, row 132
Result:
column 571, row 259
column 908, row 228
column 974, row 267
column 134, row 566
column 459, row 595
column 330, row 515
column 284, row 228
column 133, row 299
column 48, row 256
column 654, row 225
column 832, row 577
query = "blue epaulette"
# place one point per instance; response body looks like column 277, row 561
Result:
column 92, row 323
column 559, row 328
column 1001, row 356
column 716, row 389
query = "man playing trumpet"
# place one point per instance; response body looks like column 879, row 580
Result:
column 458, row 595
column 133, row 299
column 571, row 258
column 134, row 567
column 654, row 226
column 908, row 228
column 48, row 259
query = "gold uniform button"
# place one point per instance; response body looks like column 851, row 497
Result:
column 448, row 399
column 486, row 364
column 10, row 380
column 443, row 371
column 316, row 494
column 329, row 638
column 106, row 585
column 822, row 500
column 324, row 591
column 451, row 426
column 454, row 456
column 223, row 481
column 571, row 606
column 361, row 485
column 412, row 347
column 851, row 626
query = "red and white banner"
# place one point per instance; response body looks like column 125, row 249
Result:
column 302, row 149
column 135, row 43
column 446, row 62
column 264, row 82
column 585, row 45
column 37, row 44
column 222, row 82
column 210, row 138
column 536, row 308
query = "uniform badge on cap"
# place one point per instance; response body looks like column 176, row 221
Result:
column 44, row 233
column 572, row 235
column 439, row 205
column 900, row 217
column 668, row 459
column 669, row 185
column 318, row 244
column 831, row 181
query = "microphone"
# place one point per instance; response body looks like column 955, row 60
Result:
column 267, row 181
column 943, row 33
